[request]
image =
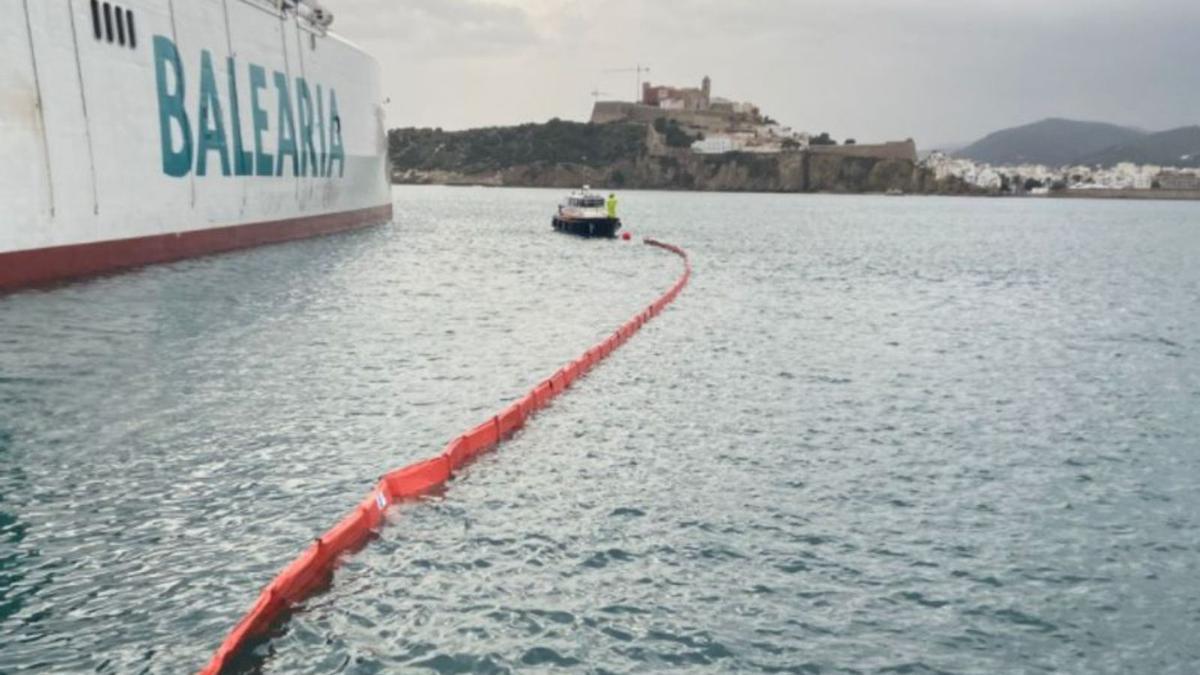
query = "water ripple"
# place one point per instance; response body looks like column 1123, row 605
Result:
column 875, row 435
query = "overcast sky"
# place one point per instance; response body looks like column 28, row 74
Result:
column 940, row 71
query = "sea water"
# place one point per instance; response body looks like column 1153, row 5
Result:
column 873, row 435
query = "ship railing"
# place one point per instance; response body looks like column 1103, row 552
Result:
column 311, row 11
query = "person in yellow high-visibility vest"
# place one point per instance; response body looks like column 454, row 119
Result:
column 611, row 205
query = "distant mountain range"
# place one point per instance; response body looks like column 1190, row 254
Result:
column 1059, row 142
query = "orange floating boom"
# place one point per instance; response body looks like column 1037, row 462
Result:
column 313, row 570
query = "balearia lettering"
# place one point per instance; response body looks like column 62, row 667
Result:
column 308, row 136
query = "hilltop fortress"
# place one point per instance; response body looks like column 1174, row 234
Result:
column 675, row 138
column 690, row 106
column 718, row 125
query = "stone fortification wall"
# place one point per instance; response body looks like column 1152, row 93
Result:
column 902, row 150
column 736, row 172
column 605, row 112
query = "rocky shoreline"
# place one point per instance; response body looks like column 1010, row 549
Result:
column 792, row 172
column 621, row 156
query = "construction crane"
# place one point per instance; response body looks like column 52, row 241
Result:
column 637, row 70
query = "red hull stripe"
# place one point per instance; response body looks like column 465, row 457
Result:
column 39, row 266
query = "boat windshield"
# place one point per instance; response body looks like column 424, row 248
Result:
column 589, row 201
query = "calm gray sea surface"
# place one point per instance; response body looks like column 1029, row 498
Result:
column 874, row 435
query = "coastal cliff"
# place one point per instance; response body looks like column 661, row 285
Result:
column 632, row 156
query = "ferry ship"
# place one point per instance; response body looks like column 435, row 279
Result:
column 146, row 131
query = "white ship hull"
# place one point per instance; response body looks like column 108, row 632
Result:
column 152, row 130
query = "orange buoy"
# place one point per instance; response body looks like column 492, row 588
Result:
column 627, row 236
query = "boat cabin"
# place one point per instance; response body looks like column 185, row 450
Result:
column 585, row 200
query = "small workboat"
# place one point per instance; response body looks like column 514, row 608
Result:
column 584, row 213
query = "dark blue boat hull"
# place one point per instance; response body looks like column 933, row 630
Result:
column 588, row 227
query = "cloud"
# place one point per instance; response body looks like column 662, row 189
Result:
column 461, row 29
column 936, row 70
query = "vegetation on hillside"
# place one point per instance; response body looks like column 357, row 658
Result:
column 495, row 148
column 674, row 133
column 1175, row 147
column 1053, row 142
column 632, row 155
